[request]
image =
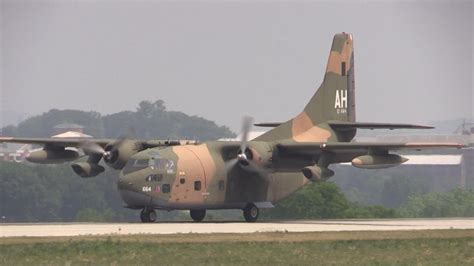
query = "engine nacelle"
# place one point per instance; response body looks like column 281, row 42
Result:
column 118, row 154
column 317, row 174
column 378, row 161
column 85, row 169
column 52, row 156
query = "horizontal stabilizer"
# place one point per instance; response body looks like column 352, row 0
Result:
column 341, row 125
column 268, row 124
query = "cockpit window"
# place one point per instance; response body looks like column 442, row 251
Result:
column 136, row 165
column 161, row 164
column 165, row 165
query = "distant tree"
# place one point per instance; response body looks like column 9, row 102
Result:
column 149, row 121
column 397, row 190
column 455, row 203
column 323, row 201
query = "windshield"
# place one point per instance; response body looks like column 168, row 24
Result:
column 136, row 165
column 166, row 165
column 163, row 165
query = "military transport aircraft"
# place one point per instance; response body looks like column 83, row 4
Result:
column 246, row 175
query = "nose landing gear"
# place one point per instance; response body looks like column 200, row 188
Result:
column 148, row 215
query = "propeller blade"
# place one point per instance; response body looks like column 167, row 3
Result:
column 246, row 126
column 90, row 147
column 130, row 134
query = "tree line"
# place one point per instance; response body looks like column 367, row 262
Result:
column 150, row 120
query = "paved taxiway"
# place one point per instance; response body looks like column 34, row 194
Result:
column 76, row 229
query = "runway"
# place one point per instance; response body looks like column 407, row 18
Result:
column 81, row 229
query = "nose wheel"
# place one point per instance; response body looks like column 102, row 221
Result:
column 251, row 213
column 148, row 215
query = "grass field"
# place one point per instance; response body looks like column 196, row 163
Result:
column 436, row 247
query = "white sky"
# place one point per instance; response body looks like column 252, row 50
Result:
column 414, row 61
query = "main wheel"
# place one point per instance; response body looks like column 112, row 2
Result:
column 148, row 216
column 197, row 215
column 251, row 213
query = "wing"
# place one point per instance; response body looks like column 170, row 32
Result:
column 56, row 142
column 76, row 142
column 362, row 155
column 356, row 148
column 115, row 152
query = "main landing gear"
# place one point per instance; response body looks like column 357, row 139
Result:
column 148, row 215
column 197, row 215
column 251, row 213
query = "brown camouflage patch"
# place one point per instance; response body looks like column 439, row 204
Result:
column 190, row 169
column 336, row 58
column 300, row 124
column 304, row 131
column 315, row 134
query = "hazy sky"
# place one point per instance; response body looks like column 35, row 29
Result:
column 414, row 61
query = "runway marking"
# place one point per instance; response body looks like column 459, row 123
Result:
column 78, row 229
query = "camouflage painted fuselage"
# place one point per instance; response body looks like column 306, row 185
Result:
column 200, row 178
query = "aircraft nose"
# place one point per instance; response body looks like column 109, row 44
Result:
column 129, row 193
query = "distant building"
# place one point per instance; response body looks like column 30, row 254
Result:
column 14, row 152
column 71, row 134
column 65, row 127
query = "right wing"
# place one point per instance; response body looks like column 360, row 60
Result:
column 77, row 142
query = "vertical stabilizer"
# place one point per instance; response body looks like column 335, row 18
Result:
column 333, row 101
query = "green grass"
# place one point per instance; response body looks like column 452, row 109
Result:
column 447, row 248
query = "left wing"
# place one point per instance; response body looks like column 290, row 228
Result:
column 358, row 147
column 368, row 155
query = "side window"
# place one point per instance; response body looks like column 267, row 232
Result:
column 164, row 165
column 154, row 178
column 197, row 185
column 221, row 185
column 159, row 177
column 166, row 188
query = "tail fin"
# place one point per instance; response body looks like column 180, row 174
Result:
column 333, row 101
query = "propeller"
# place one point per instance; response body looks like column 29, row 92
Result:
column 244, row 157
column 90, row 147
column 110, row 152
column 241, row 157
column 246, row 126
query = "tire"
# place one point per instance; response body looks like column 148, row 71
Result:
column 251, row 213
column 143, row 216
column 197, row 215
column 151, row 216
column 148, row 216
